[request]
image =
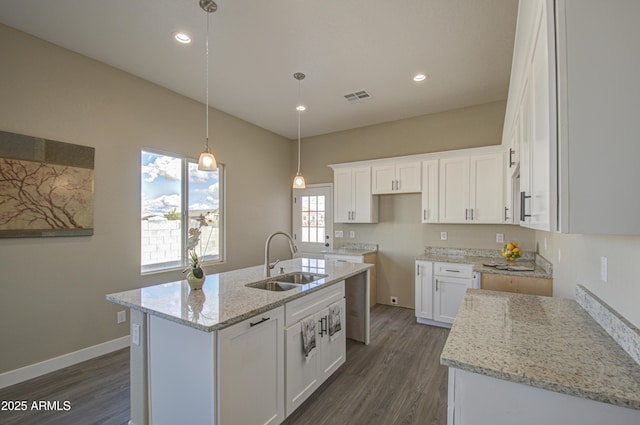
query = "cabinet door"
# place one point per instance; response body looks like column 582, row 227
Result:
column 447, row 295
column 541, row 140
column 454, row 190
column 430, row 191
column 408, row 177
column 342, row 190
column 383, row 178
column 251, row 371
column 301, row 372
column 424, row 289
column 486, row 189
column 363, row 211
column 333, row 352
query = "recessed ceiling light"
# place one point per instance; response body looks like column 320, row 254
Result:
column 420, row 77
column 181, row 37
column 301, row 108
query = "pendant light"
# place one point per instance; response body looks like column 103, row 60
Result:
column 298, row 180
column 207, row 162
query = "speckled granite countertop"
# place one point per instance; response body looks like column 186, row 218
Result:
column 224, row 299
column 479, row 257
column 549, row 343
column 353, row 249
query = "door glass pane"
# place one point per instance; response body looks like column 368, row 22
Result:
column 313, row 219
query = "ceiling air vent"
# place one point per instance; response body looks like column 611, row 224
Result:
column 357, row 97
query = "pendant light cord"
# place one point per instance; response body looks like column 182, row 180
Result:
column 298, row 127
column 206, row 111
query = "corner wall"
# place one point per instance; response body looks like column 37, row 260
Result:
column 52, row 290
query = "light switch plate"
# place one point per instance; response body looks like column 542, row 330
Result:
column 352, row 234
column 135, row 334
column 122, row 316
column 443, row 236
column 500, row 237
column 339, row 234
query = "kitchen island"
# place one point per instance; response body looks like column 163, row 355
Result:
column 527, row 359
column 219, row 355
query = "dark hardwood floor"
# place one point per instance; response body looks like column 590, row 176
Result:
column 396, row 380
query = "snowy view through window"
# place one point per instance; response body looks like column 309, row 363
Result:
column 166, row 234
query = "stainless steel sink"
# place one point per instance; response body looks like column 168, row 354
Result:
column 299, row 278
column 286, row 282
column 272, row 285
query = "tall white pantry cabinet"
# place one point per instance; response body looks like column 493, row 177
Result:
column 572, row 115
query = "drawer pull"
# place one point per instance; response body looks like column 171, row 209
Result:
column 264, row 319
column 452, row 271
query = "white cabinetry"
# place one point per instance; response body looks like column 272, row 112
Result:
column 440, row 288
column 430, row 191
column 252, row 378
column 471, row 189
column 353, row 201
column 480, row 399
column 578, row 139
column 304, row 375
column 399, row 176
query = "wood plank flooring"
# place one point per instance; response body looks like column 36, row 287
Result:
column 396, row 380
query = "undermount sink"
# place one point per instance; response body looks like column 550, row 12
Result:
column 286, row 282
column 272, row 285
column 299, row 278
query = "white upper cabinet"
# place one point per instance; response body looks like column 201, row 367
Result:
column 572, row 113
column 472, row 189
column 430, row 191
column 353, row 201
column 399, row 176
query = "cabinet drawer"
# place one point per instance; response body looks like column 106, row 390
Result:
column 453, row 270
column 297, row 310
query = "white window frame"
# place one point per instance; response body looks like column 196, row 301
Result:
column 184, row 208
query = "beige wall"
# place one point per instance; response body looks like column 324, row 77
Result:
column 579, row 263
column 400, row 234
column 52, row 290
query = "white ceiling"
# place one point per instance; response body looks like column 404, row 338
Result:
column 256, row 46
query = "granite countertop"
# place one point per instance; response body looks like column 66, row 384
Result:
column 479, row 257
column 224, row 298
column 353, row 249
column 549, row 343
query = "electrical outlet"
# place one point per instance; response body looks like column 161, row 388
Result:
column 394, row 300
column 135, row 334
column 339, row 234
column 122, row 316
column 604, row 269
column 352, row 234
column 443, row 236
column 500, row 237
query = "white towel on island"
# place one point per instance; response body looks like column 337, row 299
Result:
column 334, row 319
column 308, row 335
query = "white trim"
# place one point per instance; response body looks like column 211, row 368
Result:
column 33, row 371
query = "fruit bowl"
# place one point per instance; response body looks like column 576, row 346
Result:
column 511, row 251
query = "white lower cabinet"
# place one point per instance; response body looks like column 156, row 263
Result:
column 440, row 288
column 251, row 372
column 305, row 374
column 479, row 399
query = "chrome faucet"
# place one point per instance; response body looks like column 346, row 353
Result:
column 268, row 266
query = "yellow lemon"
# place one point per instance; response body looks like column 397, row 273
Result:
column 510, row 246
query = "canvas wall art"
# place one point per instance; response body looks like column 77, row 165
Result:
column 46, row 187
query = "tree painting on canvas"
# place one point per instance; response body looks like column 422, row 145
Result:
column 46, row 187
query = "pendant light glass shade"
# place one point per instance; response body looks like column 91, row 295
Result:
column 298, row 180
column 206, row 161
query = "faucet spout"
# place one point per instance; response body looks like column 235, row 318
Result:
column 268, row 266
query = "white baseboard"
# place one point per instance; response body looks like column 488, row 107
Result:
column 33, row 371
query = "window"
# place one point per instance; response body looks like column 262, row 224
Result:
column 181, row 211
column 313, row 218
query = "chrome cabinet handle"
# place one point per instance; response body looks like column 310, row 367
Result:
column 436, row 285
column 511, row 152
column 471, row 209
column 506, row 217
column 452, row 271
column 418, row 269
column 466, row 213
column 424, row 214
column 323, row 325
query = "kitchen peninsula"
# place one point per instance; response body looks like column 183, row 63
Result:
column 531, row 360
column 233, row 354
